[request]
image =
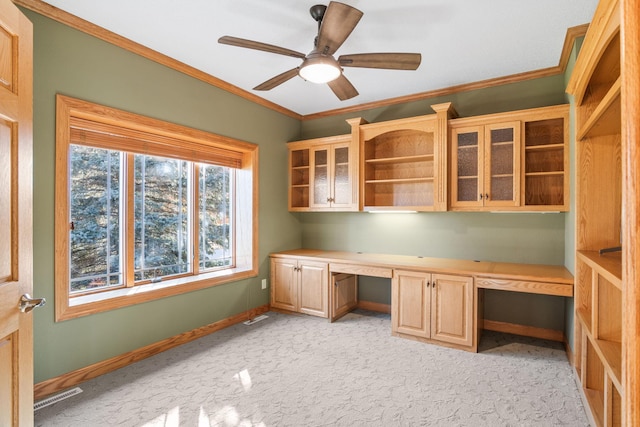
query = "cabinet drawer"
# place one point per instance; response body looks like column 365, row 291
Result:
column 544, row 288
column 361, row 270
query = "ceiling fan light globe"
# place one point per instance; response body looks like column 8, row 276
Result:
column 318, row 68
column 319, row 73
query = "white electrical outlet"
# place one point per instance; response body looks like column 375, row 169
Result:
column 264, row 283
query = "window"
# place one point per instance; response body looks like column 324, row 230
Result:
column 147, row 209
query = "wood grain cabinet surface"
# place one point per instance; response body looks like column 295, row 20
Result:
column 323, row 174
column 513, row 161
column 599, row 305
column 300, row 286
column 516, row 160
column 433, row 307
column 436, row 300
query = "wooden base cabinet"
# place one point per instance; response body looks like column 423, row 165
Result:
column 300, row 286
column 434, row 307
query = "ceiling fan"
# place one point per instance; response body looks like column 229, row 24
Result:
column 335, row 23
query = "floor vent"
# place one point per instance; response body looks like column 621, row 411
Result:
column 57, row 398
column 256, row 319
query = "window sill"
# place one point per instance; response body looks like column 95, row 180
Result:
column 123, row 297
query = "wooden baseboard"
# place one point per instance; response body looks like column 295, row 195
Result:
column 527, row 331
column 375, row 306
column 72, row 379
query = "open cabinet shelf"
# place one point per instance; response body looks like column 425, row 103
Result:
column 599, row 284
column 404, row 162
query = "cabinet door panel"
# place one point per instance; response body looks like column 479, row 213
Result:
column 467, row 167
column 341, row 171
column 344, row 294
column 314, row 281
column 321, row 177
column 502, row 162
column 410, row 302
column 452, row 309
column 284, row 292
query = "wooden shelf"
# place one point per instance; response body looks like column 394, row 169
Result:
column 611, row 354
column 584, row 317
column 399, row 180
column 557, row 173
column 605, row 118
column 595, row 399
column 547, row 147
column 403, row 159
column 608, row 265
column 300, row 186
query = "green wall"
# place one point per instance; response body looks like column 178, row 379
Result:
column 515, row 96
column 69, row 62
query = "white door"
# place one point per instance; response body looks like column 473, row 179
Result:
column 16, row 257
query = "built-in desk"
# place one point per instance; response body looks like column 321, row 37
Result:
column 433, row 299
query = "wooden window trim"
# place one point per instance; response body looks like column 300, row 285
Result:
column 170, row 140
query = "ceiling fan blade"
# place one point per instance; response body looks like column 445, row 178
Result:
column 391, row 61
column 250, row 44
column 277, row 80
column 343, row 88
column 338, row 22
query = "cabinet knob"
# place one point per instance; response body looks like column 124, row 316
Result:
column 486, row 196
column 481, row 196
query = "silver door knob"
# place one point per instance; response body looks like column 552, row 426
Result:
column 27, row 303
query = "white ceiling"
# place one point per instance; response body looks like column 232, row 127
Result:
column 461, row 41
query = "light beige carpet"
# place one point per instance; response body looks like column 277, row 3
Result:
column 293, row 370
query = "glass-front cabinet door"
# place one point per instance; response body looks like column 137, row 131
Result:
column 502, row 164
column 342, row 189
column 467, row 163
column 321, row 195
column 485, row 166
column 332, row 178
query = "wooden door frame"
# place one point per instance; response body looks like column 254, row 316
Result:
column 17, row 109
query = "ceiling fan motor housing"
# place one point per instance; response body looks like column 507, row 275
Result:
column 317, row 12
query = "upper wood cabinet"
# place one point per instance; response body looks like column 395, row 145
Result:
column 485, row 163
column 404, row 162
column 323, row 174
column 511, row 161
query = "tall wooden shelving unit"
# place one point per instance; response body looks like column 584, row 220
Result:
column 599, row 285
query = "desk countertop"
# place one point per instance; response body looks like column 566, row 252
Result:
column 480, row 269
